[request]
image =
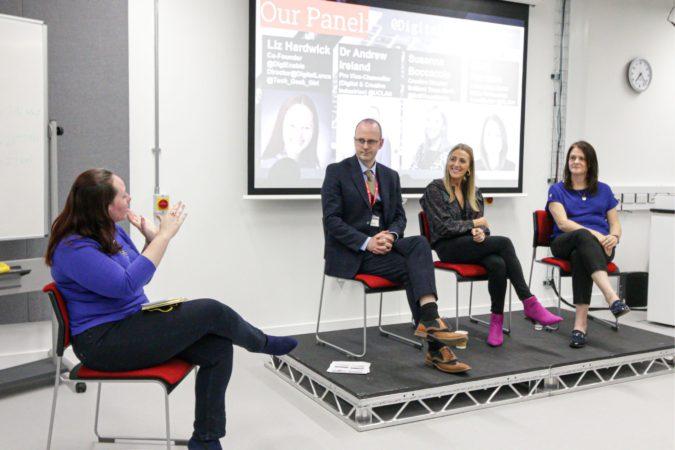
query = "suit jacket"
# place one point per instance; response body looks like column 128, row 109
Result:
column 347, row 213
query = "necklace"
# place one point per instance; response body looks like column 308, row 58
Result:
column 582, row 194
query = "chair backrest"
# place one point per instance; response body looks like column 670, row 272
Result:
column 62, row 319
column 424, row 225
column 542, row 228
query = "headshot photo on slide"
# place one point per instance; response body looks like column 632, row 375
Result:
column 432, row 152
column 493, row 151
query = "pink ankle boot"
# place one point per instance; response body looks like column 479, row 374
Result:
column 496, row 335
column 537, row 313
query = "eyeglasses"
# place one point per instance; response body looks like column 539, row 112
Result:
column 370, row 142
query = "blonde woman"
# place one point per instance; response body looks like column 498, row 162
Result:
column 460, row 234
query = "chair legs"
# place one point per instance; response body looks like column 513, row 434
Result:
column 456, row 302
column 337, row 347
column 382, row 330
column 415, row 343
column 506, row 329
column 556, row 327
column 57, row 381
column 534, row 255
column 168, row 421
column 112, row 439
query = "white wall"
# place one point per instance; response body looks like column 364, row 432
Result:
column 264, row 258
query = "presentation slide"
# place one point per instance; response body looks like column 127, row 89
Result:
column 431, row 80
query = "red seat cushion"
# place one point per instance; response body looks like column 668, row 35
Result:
column 566, row 266
column 465, row 270
column 375, row 282
column 171, row 372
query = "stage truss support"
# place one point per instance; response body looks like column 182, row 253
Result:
column 395, row 409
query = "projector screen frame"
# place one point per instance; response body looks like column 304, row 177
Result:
column 518, row 12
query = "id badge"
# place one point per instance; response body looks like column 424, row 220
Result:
column 375, row 221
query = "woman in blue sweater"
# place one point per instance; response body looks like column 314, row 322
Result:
column 101, row 275
column 586, row 231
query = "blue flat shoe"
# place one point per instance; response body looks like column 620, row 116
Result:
column 619, row 308
column 578, row 339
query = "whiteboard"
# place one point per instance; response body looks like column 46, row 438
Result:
column 24, row 167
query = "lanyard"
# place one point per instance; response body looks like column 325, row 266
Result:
column 372, row 198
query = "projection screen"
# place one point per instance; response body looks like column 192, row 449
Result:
column 433, row 73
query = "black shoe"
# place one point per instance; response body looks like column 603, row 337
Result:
column 578, row 339
column 619, row 308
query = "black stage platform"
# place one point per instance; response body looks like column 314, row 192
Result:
column 400, row 388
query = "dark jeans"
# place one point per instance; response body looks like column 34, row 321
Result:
column 497, row 255
column 200, row 332
column 586, row 255
column 409, row 262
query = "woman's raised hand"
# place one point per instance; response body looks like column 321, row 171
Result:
column 170, row 223
column 147, row 228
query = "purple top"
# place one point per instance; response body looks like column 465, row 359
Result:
column 97, row 287
column 589, row 211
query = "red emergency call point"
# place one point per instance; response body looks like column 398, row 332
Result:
column 162, row 203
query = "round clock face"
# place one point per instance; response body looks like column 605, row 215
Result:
column 639, row 74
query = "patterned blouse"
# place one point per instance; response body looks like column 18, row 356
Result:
column 447, row 219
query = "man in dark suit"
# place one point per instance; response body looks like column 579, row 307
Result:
column 364, row 221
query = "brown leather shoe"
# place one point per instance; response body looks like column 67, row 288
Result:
column 443, row 355
column 453, row 367
column 445, row 361
column 438, row 331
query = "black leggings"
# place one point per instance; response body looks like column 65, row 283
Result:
column 497, row 255
column 586, row 255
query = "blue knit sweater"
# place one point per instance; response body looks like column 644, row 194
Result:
column 100, row 288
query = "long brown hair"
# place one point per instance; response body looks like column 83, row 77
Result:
column 468, row 182
column 86, row 213
column 591, row 164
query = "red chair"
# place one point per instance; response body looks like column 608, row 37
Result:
column 371, row 284
column 464, row 273
column 167, row 375
column 541, row 237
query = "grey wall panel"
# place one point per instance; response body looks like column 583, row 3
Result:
column 88, row 96
column 10, row 7
column 12, row 250
column 13, row 308
column 39, row 307
column 36, row 247
column 88, row 83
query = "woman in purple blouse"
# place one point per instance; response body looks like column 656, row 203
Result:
column 586, row 232
column 101, row 274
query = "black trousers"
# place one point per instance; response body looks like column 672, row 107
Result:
column 497, row 255
column 409, row 262
column 200, row 332
column 586, row 255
